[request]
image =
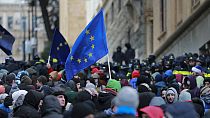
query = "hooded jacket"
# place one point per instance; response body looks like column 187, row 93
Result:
column 51, row 107
column 174, row 91
column 29, row 109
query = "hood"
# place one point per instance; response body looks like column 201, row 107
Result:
column 145, row 99
column 51, row 104
column 160, row 84
column 184, row 96
column 193, row 83
column 169, row 90
column 153, row 111
column 199, row 81
column 71, row 84
column 157, row 101
column 181, row 110
column 33, row 98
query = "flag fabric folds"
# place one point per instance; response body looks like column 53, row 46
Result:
column 88, row 48
column 6, row 41
column 59, row 48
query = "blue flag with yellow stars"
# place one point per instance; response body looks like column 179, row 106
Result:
column 59, row 48
column 89, row 47
column 6, row 41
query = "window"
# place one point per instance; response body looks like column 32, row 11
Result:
column 119, row 5
column 112, row 12
column 163, row 15
column 179, row 12
column 10, row 22
column 23, row 23
column 1, row 20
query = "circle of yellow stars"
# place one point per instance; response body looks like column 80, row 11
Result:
column 92, row 38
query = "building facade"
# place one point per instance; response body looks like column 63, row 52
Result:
column 72, row 19
column 14, row 17
column 181, row 26
column 127, row 21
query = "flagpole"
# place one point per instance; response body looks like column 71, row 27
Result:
column 48, row 61
column 110, row 77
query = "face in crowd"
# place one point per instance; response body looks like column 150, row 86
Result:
column 170, row 98
column 61, row 100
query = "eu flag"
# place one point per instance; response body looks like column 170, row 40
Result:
column 59, row 48
column 89, row 47
column 6, row 41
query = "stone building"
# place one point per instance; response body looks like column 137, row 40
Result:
column 128, row 21
column 181, row 26
column 14, row 18
column 72, row 19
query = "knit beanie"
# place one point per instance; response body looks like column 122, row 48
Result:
column 124, row 97
column 31, row 71
column 197, row 69
column 94, row 70
column 114, row 84
column 157, row 101
column 135, row 74
column 26, row 80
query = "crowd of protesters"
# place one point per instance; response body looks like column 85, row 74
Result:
column 173, row 87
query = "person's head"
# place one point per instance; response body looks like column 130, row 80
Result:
column 124, row 99
column 53, row 76
column 26, row 80
column 41, row 80
column 62, row 98
column 10, row 79
column 128, row 45
column 83, row 110
column 192, row 61
column 119, row 49
column 206, row 82
column 163, row 93
column 171, row 95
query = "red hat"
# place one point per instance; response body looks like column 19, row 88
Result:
column 135, row 74
column 153, row 111
column 94, row 70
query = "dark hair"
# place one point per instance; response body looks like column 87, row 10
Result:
column 42, row 79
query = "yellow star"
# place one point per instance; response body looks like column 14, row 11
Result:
column 72, row 58
column 93, row 46
column 85, row 60
column 90, row 54
column 58, row 48
column 61, row 45
column 79, row 61
column 92, row 38
column 87, row 32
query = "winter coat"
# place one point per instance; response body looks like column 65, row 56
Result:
column 104, row 100
column 51, row 108
column 123, row 116
column 29, row 109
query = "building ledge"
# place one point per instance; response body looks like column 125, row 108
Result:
column 191, row 19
